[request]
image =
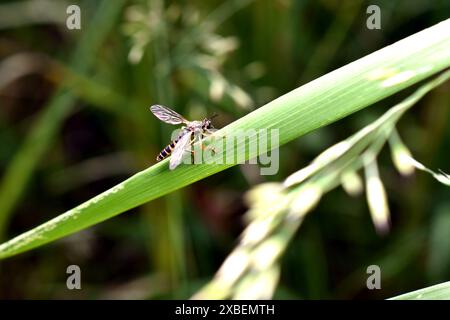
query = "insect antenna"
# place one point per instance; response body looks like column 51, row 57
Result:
column 213, row 116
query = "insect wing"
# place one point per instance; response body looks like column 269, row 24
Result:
column 167, row 115
column 178, row 151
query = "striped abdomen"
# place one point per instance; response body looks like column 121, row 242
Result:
column 167, row 150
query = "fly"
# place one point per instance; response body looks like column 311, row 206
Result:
column 189, row 133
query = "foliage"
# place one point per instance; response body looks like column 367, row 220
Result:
column 74, row 121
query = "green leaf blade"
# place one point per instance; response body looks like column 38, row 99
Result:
column 437, row 292
column 318, row 103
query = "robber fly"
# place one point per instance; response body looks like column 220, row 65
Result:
column 192, row 131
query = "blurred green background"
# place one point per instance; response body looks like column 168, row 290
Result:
column 74, row 121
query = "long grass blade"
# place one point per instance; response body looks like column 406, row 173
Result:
column 318, row 103
column 437, row 292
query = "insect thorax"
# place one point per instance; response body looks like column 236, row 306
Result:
column 195, row 125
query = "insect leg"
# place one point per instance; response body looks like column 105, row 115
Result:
column 203, row 146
